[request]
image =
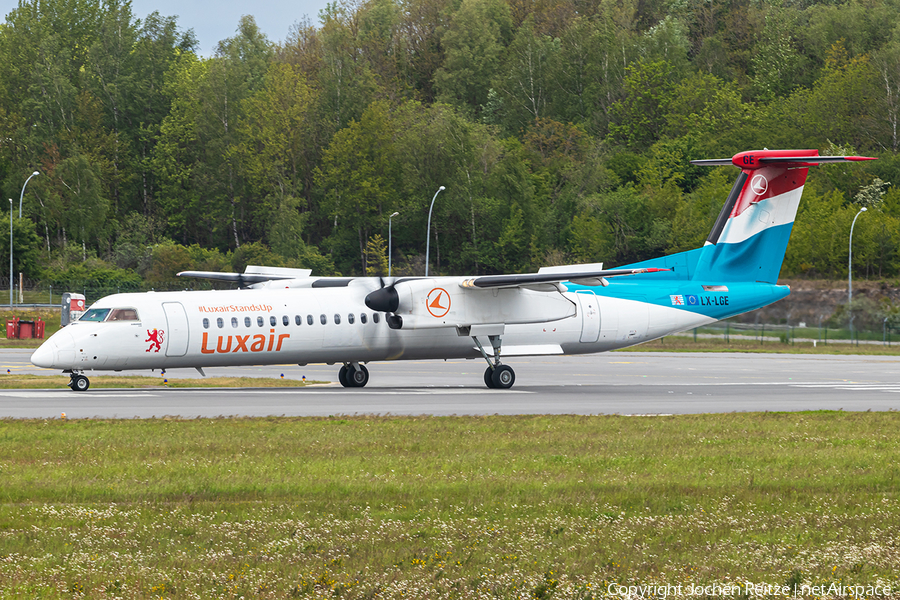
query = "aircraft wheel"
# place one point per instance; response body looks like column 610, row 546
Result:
column 488, row 377
column 504, row 377
column 342, row 376
column 358, row 378
column 79, row 383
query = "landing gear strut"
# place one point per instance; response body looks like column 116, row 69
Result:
column 497, row 376
column 353, row 375
column 79, row 382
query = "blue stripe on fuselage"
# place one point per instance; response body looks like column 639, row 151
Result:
column 745, row 268
column 740, row 297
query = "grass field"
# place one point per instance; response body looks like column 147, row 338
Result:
column 685, row 343
column 490, row 507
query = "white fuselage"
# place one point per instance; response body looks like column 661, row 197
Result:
column 328, row 325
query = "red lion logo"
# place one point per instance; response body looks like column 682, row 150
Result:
column 156, row 339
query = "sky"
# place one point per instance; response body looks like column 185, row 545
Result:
column 215, row 21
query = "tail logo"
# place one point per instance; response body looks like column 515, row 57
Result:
column 759, row 185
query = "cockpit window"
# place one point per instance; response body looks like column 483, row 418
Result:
column 95, row 314
column 123, row 314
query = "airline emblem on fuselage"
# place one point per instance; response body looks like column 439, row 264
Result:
column 759, row 185
column 438, row 302
column 156, row 338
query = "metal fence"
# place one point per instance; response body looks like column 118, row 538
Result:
column 40, row 293
column 763, row 333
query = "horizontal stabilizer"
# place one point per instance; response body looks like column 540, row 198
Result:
column 783, row 158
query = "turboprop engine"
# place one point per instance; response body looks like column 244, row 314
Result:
column 449, row 302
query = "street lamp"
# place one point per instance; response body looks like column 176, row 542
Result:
column 23, row 191
column 10, row 253
column 389, row 241
column 850, row 273
column 428, row 239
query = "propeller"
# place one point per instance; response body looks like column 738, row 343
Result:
column 386, row 299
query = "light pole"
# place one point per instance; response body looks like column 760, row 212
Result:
column 850, row 273
column 389, row 241
column 10, row 253
column 428, row 239
column 23, row 191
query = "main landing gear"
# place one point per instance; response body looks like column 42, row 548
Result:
column 353, row 375
column 78, row 382
column 497, row 376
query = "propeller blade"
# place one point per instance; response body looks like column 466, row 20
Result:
column 384, row 299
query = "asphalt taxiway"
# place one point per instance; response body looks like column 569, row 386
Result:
column 632, row 383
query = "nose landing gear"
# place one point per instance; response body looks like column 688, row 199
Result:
column 78, row 382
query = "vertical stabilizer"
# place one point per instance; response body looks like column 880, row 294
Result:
column 749, row 239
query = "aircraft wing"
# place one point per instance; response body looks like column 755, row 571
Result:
column 557, row 276
column 241, row 278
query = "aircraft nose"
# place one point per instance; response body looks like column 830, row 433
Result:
column 45, row 355
column 48, row 354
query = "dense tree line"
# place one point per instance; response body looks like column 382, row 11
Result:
column 562, row 131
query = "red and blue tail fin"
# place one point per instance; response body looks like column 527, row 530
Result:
column 750, row 236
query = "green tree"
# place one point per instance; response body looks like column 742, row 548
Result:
column 202, row 190
column 777, row 66
column 359, row 174
column 474, row 45
column 275, row 146
column 588, row 72
column 376, row 256
column 640, row 117
column 346, row 79
column 438, row 146
column 26, row 247
column 886, row 109
column 524, row 82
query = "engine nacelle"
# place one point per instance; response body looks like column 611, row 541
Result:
column 435, row 303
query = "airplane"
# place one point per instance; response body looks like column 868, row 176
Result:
column 290, row 316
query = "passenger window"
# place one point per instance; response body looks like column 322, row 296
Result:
column 298, row 320
column 234, row 322
column 123, row 314
column 205, row 323
column 337, row 319
column 220, row 322
column 309, row 320
column 362, row 318
column 350, row 318
column 272, row 321
column 323, row 319
column 285, row 321
column 260, row 322
column 375, row 317
column 247, row 322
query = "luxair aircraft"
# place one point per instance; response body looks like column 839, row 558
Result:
column 289, row 316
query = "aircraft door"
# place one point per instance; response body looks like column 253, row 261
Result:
column 177, row 335
column 590, row 316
